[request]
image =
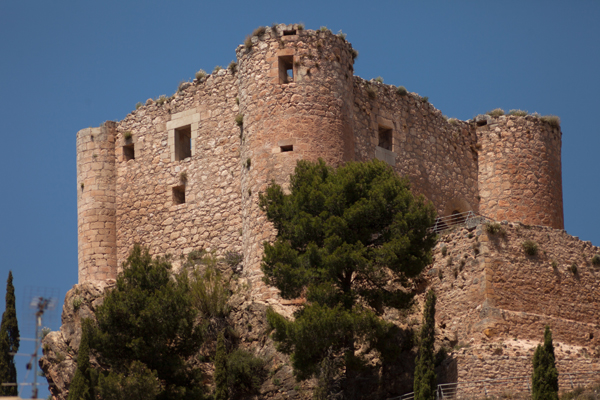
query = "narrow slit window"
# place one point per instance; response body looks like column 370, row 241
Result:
column 128, row 152
column 286, row 69
column 385, row 138
column 179, row 194
column 287, row 148
column 183, row 142
column 289, row 33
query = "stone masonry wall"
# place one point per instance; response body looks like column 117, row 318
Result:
column 285, row 120
column 520, row 170
column 494, row 300
column 438, row 155
column 147, row 213
column 96, row 221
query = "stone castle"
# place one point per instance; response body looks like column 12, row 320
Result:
column 184, row 172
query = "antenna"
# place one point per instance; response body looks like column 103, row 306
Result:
column 41, row 303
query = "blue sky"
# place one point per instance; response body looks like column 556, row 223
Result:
column 70, row 65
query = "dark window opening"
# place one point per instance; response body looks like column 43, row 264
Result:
column 482, row 122
column 286, row 69
column 183, row 143
column 289, row 33
column 129, row 152
column 179, row 194
column 385, row 138
column 287, row 148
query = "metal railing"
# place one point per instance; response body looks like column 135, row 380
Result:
column 468, row 219
column 504, row 387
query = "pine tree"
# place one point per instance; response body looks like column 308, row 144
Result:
column 221, row 392
column 545, row 374
column 425, row 378
column 9, row 341
column 81, row 386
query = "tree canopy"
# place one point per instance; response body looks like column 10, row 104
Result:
column 348, row 240
column 545, row 375
column 425, row 378
column 9, row 341
column 146, row 325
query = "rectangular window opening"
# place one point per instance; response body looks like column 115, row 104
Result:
column 286, row 69
column 128, row 152
column 289, row 33
column 287, row 148
column 385, row 138
column 179, row 194
column 183, row 142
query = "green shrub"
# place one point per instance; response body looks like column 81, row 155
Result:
column 232, row 67
column 496, row 112
column 379, row 79
column 596, row 260
column 239, row 119
column 201, row 74
column 574, row 269
column 248, row 42
column 77, row 303
column 323, row 29
column 425, row 99
column 554, row 264
column 138, row 105
column 127, row 135
column 452, row 121
column 444, row 251
column 530, row 247
column 209, row 293
column 354, row 54
column 551, row 120
column 217, row 69
column 183, row 177
column 161, row 100
column 401, row 90
column 233, row 258
column 518, row 113
column 245, row 373
column 494, row 228
column 341, row 34
column 248, row 163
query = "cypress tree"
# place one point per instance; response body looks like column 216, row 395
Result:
column 425, row 378
column 545, row 375
column 9, row 341
column 81, row 386
column 221, row 392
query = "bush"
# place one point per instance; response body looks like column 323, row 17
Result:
column 573, row 268
column 425, row 99
column 551, row 120
column 401, row 90
column 138, row 105
column 497, row 112
column 248, row 42
column 259, row 31
column 239, row 119
column 444, row 251
column 530, row 247
column 245, row 373
column 232, row 67
column 200, row 74
column 354, row 54
column 161, row 100
column 209, row 293
column 217, row 69
column 233, row 258
column 371, row 92
column 378, row 79
column 494, row 228
column 518, row 113
column 596, row 260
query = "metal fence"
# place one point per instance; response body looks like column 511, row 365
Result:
column 467, row 219
column 504, row 387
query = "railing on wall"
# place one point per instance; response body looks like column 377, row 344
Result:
column 468, row 219
column 504, row 387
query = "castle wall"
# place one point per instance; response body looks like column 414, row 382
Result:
column 438, row 155
column 286, row 120
column 494, row 300
column 96, row 212
column 520, row 170
column 147, row 210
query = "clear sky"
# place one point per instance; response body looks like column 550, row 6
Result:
column 68, row 65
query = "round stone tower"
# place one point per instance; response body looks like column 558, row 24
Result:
column 96, row 213
column 296, row 100
column 520, row 169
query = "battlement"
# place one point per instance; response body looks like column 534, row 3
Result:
column 184, row 172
